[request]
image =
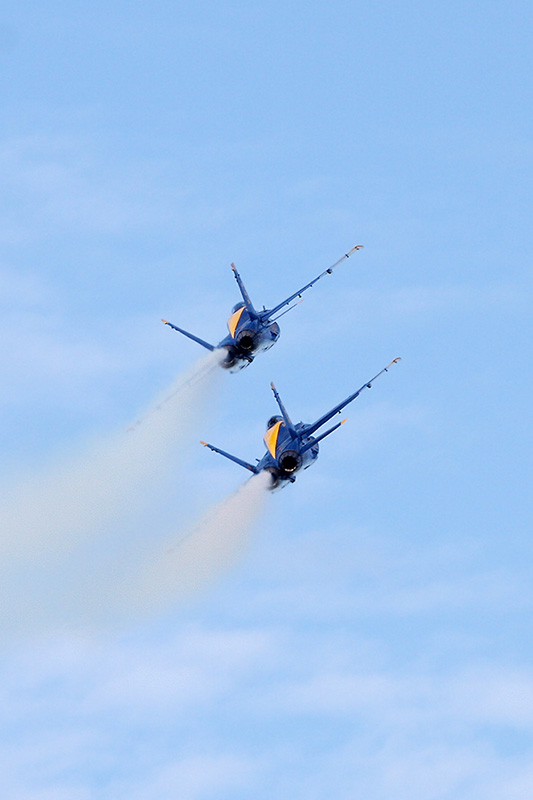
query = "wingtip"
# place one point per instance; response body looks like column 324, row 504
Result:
column 343, row 421
column 165, row 321
column 204, row 443
column 357, row 247
column 394, row 361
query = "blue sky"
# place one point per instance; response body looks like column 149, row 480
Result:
column 374, row 640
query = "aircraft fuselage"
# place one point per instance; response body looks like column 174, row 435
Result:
column 288, row 452
column 248, row 336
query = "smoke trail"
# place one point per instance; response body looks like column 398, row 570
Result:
column 109, row 480
column 73, row 551
column 211, row 547
column 69, row 556
column 100, row 587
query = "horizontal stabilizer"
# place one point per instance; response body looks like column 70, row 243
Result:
column 322, row 436
column 238, row 461
column 190, row 335
column 273, row 319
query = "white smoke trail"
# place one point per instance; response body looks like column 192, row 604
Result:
column 208, row 550
column 67, row 559
column 64, row 506
column 100, row 588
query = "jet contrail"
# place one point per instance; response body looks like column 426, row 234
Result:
column 55, row 514
column 112, row 583
column 189, row 562
column 69, row 556
column 110, row 477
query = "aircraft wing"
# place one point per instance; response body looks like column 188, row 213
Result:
column 338, row 408
column 328, row 271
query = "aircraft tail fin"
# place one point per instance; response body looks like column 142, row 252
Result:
column 245, row 296
column 190, row 335
column 282, row 408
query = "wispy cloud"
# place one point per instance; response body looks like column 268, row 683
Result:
column 197, row 777
column 53, row 178
column 52, row 358
column 418, row 731
column 56, row 183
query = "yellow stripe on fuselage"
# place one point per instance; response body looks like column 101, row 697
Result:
column 233, row 321
column 271, row 438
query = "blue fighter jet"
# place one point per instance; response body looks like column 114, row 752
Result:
column 250, row 331
column 290, row 447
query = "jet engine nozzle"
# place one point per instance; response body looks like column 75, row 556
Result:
column 234, row 361
column 231, row 357
column 290, row 461
column 274, row 477
column 246, row 340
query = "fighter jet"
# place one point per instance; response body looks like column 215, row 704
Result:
column 250, row 331
column 290, row 447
